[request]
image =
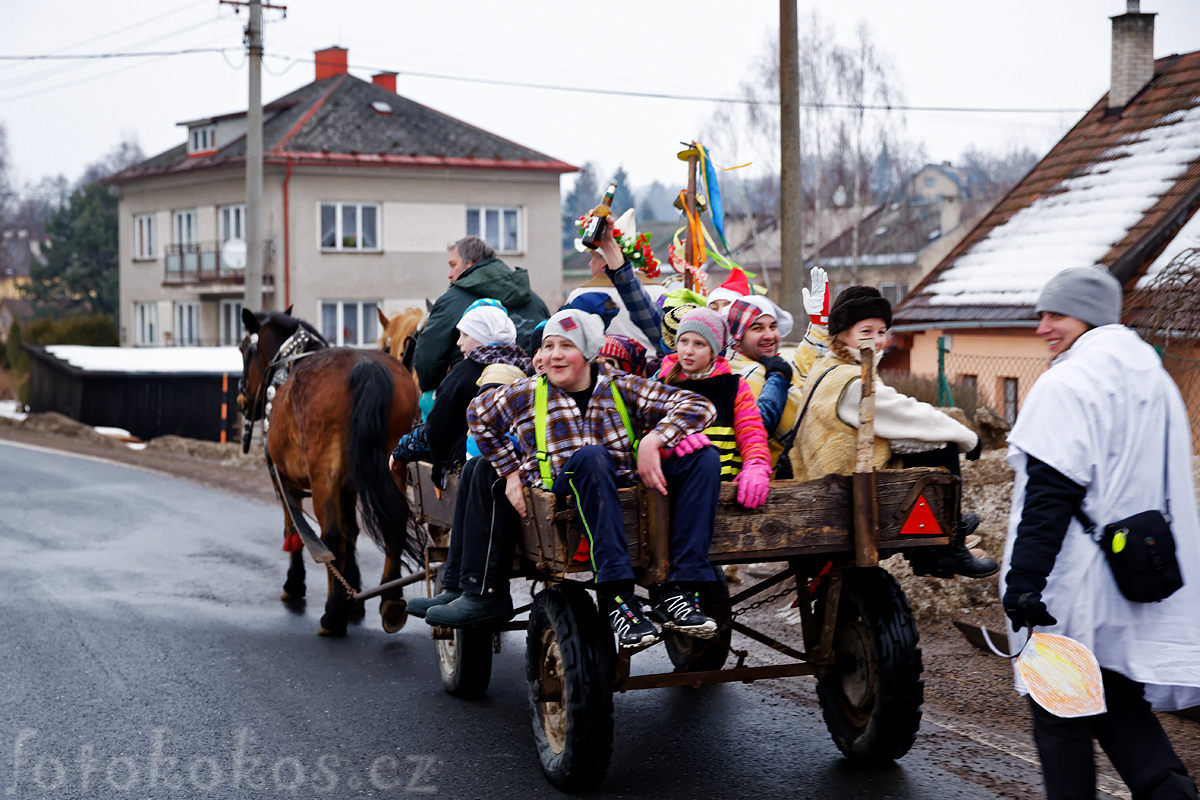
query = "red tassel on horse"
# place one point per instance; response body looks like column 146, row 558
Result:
column 292, row 543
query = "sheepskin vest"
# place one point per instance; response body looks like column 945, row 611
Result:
column 825, row 443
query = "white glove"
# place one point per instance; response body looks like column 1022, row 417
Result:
column 816, row 302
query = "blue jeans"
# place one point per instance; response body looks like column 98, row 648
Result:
column 693, row 483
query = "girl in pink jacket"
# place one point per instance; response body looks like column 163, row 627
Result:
column 737, row 432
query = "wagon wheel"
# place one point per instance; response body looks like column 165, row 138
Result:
column 568, row 670
column 465, row 660
column 690, row 654
column 871, row 698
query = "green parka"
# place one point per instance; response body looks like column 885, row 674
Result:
column 437, row 348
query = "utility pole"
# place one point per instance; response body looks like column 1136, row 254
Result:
column 254, row 162
column 791, row 199
column 253, row 272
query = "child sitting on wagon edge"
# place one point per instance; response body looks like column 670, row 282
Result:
column 584, row 424
column 738, row 433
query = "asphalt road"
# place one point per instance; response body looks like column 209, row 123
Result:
column 145, row 654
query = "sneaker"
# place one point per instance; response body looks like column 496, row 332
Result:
column 472, row 609
column 629, row 623
column 419, row 605
column 679, row 610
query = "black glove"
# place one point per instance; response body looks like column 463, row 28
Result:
column 1023, row 602
column 974, row 453
column 777, row 364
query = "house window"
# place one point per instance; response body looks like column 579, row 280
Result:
column 185, row 227
column 202, row 139
column 499, row 227
column 187, row 324
column 231, row 322
column 350, row 322
column 233, row 223
column 1010, row 400
column 929, row 182
column 350, row 226
column 144, row 238
column 894, row 292
column 146, row 317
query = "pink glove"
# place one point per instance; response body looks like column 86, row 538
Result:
column 691, row 443
column 753, row 482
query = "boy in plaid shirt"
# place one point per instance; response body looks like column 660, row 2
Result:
column 587, row 452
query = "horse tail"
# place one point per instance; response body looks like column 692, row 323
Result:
column 383, row 506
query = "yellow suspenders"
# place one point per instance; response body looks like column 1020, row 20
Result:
column 540, row 402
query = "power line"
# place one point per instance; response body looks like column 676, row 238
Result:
column 89, row 56
column 698, row 98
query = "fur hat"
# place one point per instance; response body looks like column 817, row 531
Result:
column 584, row 330
column 743, row 312
column 708, row 324
column 1090, row 294
column 856, row 303
column 488, row 324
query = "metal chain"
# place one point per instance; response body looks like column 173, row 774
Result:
column 350, row 590
column 760, row 603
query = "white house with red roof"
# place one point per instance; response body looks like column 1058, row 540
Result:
column 363, row 190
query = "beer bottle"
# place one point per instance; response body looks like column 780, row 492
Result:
column 599, row 220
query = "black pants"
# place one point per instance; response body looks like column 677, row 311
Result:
column 484, row 532
column 1129, row 733
column 942, row 457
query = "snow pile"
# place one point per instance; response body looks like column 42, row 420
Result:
column 215, row 360
column 1078, row 221
column 8, row 410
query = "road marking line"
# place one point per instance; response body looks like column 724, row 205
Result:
column 97, row 459
column 1017, row 750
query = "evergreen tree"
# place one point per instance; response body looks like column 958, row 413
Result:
column 79, row 273
column 580, row 200
column 623, row 199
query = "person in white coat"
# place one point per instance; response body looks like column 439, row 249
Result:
column 1098, row 432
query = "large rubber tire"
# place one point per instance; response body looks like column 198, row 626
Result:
column 690, row 654
column 465, row 661
column 871, row 699
column 568, row 670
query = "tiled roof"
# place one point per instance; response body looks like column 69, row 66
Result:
column 1115, row 190
column 893, row 233
column 338, row 121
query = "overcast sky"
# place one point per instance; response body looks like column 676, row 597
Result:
column 61, row 115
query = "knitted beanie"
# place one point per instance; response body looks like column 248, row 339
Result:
column 1090, row 294
column 584, row 330
column 488, row 324
column 626, row 351
column 670, row 322
column 744, row 311
column 708, row 324
column 856, row 303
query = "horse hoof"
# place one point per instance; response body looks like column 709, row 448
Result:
column 291, row 598
column 333, row 633
column 356, row 613
column 331, row 627
column 394, row 614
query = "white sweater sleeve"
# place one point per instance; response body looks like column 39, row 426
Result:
column 898, row 416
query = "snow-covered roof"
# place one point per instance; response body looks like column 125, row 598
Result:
column 1114, row 191
column 215, row 360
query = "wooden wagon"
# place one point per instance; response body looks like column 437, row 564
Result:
column 826, row 537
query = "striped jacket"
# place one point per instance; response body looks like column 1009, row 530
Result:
column 737, row 432
column 670, row 412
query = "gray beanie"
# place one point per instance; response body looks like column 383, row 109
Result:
column 1090, row 294
column 584, row 330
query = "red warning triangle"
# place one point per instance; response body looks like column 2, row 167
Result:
column 921, row 520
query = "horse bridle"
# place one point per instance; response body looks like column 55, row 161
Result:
column 275, row 374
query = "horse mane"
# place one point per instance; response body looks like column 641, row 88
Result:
column 288, row 324
column 399, row 327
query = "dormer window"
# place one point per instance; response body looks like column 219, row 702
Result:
column 202, row 139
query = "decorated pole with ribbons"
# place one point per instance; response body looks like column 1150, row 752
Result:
column 693, row 256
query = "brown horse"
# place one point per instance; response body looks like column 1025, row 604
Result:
column 331, row 416
column 399, row 337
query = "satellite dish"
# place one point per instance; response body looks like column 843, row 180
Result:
column 233, row 253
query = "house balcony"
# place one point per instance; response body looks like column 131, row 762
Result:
column 204, row 264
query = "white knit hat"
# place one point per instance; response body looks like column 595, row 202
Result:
column 584, row 330
column 488, row 325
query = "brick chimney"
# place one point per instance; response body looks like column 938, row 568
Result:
column 385, row 79
column 1132, row 54
column 332, row 61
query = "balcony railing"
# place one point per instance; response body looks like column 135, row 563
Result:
column 203, row 262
